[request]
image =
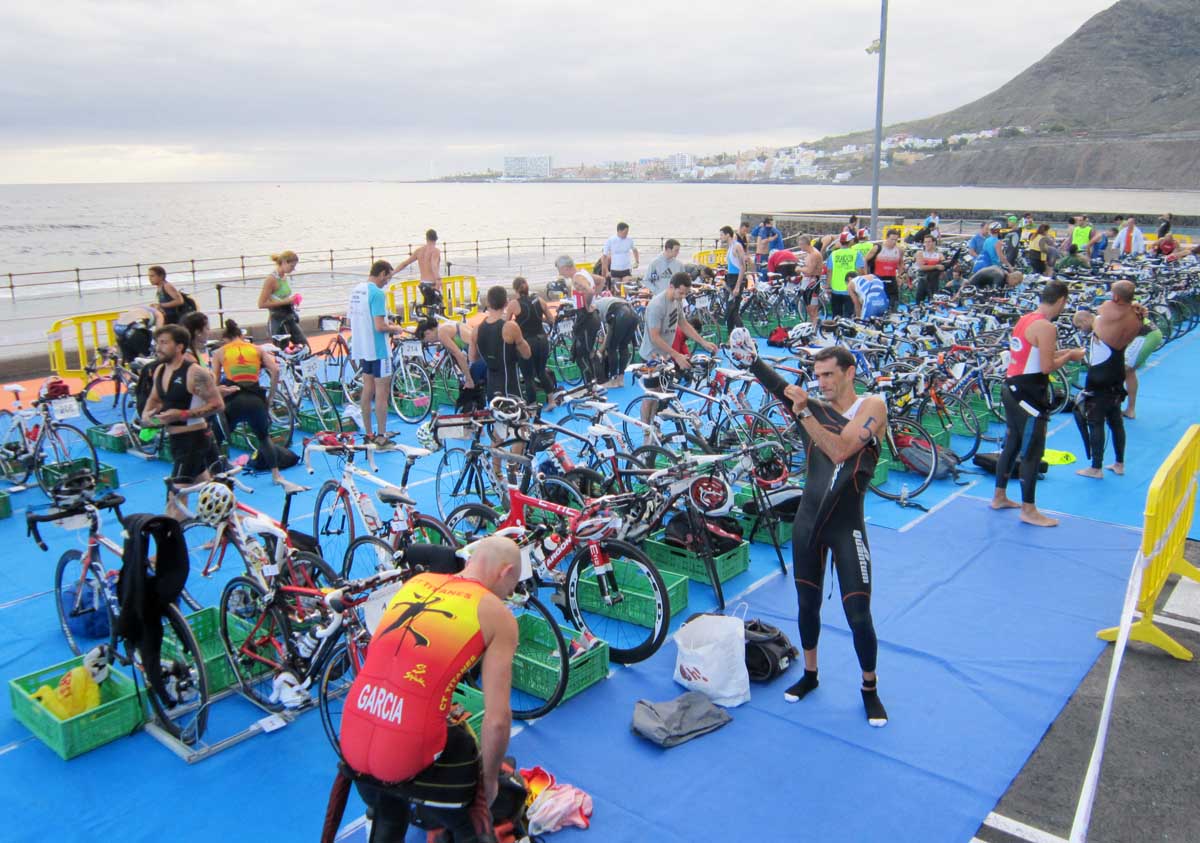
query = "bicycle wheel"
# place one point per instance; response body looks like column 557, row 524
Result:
column 1060, row 392
column 634, row 617
column 471, row 521
column 333, row 521
column 563, row 364
column 652, row 456
column 367, row 556
column 952, row 422
column 256, row 636
column 412, row 393
column 84, row 613
column 308, row 570
column 145, row 439
column 327, row 415
column 15, row 459
column 220, row 558
column 180, row 700
column 337, row 358
column 461, row 479
column 64, row 451
column 429, row 530
column 911, row 458
column 541, row 665
column 101, row 400
column 336, row 678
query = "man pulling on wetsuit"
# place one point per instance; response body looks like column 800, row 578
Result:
column 1112, row 330
column 1026, row 396
column 840, row 439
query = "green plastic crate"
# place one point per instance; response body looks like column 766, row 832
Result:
column 535, row 668
column 207, row 629
column 106, row 480
column 677, row 560
column 5, row 505
column 760, row 533
column 564, row 371
column 881, row 472
column 336, row 392
column 244, row 440
column 638, row 606
column 311, row 422
column 471, row 699
column 119, row 712
column 105, row 441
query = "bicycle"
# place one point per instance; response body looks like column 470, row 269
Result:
column 38, row 441
column 85, row 596
column 602, row 571
column 341, row 507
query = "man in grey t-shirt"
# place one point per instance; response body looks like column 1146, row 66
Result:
column 658, row 275
column 663, row 315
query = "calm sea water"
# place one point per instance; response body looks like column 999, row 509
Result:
column 52, row 227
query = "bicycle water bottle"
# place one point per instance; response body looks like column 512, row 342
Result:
column 903, row 494
column 306, row 644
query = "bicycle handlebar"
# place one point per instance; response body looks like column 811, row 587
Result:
column 334, row 598
column 341, row 449
column 112, row 500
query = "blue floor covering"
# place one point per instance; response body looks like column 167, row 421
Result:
column 986, row 627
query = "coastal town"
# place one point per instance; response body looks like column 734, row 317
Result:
column 818, row 162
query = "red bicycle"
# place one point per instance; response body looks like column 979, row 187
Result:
column 610, row 589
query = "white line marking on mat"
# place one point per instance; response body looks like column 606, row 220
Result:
column 20, row 600
column 754, row 586
column 7, row 748
column 1020, row 829
column 349, row 829
column 937, row 506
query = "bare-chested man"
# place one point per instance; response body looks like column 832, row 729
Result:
column 428, row 259
column 810, row 277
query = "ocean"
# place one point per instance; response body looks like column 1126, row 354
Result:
column 214, row 238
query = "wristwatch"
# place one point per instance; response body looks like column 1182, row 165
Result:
column 805, row 413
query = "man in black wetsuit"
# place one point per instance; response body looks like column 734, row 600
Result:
column 529, row 314
column 498, row 342
column 840, row 440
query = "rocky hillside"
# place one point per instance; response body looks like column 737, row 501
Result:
column 1117, row 104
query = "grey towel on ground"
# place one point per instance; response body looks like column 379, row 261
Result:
column 679, row 720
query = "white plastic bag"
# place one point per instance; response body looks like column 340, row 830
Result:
column 711, row 658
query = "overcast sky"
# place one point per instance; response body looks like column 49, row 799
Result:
column 360, row 89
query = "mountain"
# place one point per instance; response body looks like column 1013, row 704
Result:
column 1117, row 104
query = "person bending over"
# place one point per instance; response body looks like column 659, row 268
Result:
column 840, row 439
column 396, row 744
column 621, row 322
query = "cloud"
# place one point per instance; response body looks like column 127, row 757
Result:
column 378, row 90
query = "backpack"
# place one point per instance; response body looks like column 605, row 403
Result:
column 508, row 810
column 469, row 400
column 989, row 461
column 724, row 533
column 916, row 455
column 188, row 306
column 778, row 337
column 284, row 458
column 768, row 651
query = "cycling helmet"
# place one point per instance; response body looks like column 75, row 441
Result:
column 96, row 662
column 742, row 347
column 214, row 504
column 73, row 488
column 802, row 331
column 596, row 523
column 505, row 409
column 770, row 474
column 711, row 495
column 426, row 437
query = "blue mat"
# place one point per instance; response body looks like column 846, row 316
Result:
column 986, row 627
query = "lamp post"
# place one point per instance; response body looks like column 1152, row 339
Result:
column 879, row 47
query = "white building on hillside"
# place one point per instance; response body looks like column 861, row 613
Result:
column 527, row 167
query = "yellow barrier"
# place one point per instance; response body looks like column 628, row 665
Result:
column 713, row 258
column 70, row 349
column 1169, row 506
column 457, row 291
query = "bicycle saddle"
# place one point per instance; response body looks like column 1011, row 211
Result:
column 395, row 497
column 14, row 387
column 412, row 450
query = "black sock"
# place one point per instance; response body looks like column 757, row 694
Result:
column 798, row 691
column 876, row 713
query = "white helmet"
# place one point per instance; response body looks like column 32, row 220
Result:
column 742, row 347
column 801, row 331
column 214, row 504
column 505, row 409
column 426, row 436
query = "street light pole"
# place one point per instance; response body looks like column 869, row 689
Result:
column 879, row 119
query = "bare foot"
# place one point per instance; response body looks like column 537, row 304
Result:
column 1030, row 515
column 1094, row 473
column 1117, row 468
column 1128, row 414
column 1003, row 502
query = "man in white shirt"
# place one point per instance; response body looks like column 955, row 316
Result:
column 1130, row 240
column 619, row 257
column 658, row 276
column 369, row 329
